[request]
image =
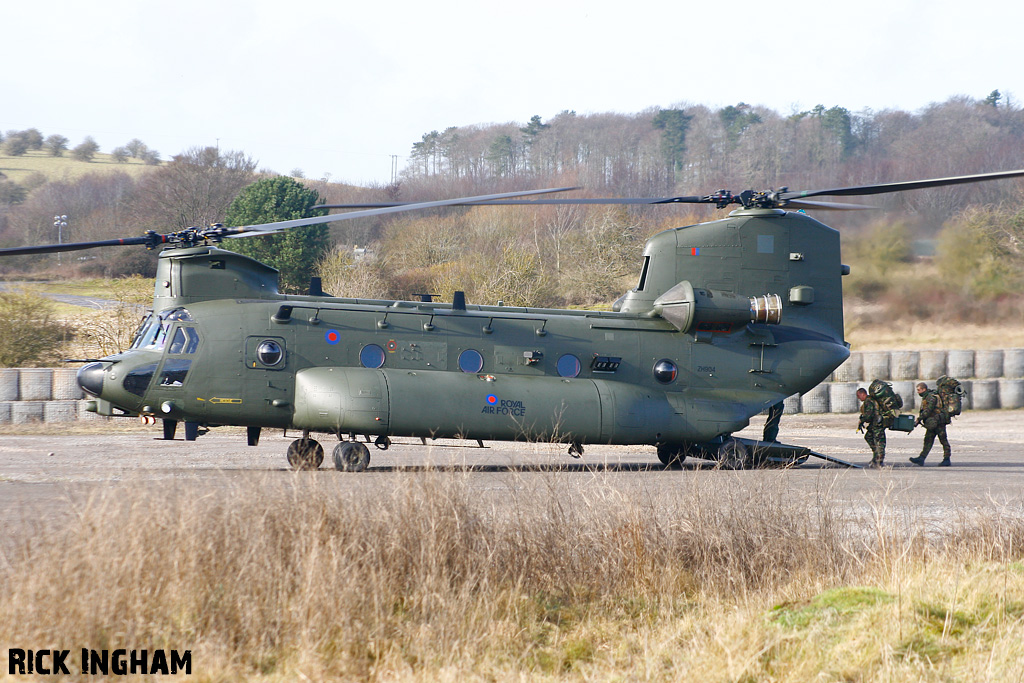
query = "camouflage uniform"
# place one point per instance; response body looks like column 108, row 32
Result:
column 771, row 425
column 874, row 431
column 933, row 417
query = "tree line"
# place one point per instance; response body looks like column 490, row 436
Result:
column 697, row 150
column 17, row 143
column 577, row 255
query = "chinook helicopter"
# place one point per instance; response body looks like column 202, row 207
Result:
column 728, row 318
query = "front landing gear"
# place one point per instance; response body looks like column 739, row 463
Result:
column 351, row 456
column 305, row 454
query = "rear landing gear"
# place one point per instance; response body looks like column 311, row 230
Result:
column 305, row 454
column 672, row 455
column 351, row 456
column 734, row 455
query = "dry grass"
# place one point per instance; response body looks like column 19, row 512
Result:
column 284, row 578
column 890, row 334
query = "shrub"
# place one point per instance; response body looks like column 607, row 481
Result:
column 29, row 334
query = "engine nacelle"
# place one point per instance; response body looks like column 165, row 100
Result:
column 687, row 307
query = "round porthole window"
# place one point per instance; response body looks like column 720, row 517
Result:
column 568, row 366
column 269, row 352
column 371, row 356
column 470, row 360
column 665, row 371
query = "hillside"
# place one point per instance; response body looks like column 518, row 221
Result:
column 19, row 169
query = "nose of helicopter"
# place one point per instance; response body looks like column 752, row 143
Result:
column 90, row 378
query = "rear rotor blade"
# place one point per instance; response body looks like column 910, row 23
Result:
column 827, row 206
column 530, row 202
column 859, row 190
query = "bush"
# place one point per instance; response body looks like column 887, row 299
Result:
column 979, row 251
column 29, row 334
column 345, row 276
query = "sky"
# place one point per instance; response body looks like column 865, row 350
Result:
column 340, row 90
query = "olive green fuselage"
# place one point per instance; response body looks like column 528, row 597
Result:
column 350, row 366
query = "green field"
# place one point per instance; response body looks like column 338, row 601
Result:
column 18, row 169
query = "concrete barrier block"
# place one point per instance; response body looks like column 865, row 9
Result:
column 960, row 364
column 65, row 385
column 1011, row 393
column 60, row 411
column 9, row 380
column 26, row 412
column 842, row 397
column 984, row 394
column 1013, row 363
column 988, row 364
column 815, row 400
column 35, row 384
column 851, row 370
column 876, row 365
column 931, row 364
column 903, row 365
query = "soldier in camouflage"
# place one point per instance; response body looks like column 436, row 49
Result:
column 933, row 417
column 872, row 424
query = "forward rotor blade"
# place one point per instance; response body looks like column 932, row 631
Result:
column 859, row 190
column 200, row 235
column 269, row 228
column 77, row 246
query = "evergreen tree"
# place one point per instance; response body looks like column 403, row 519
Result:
column 293, row 252
column 673, row 124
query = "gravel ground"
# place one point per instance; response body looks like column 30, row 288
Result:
column 46, row 475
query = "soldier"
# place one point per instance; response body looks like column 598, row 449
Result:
column 771, row 425
column 933, row 417
column 872, row 425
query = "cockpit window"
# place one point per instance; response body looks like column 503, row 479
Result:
column 186, row 340
column 159, row 337
column 174, row 372
column 139, row 378
column 143, row 326
column 152, row 333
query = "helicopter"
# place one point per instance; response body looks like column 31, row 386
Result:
column 728, row 318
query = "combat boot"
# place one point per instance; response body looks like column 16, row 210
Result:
column 919, row 460
column 945, row 463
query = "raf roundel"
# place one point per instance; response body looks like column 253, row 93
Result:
column 492, row 400
column 332, row 337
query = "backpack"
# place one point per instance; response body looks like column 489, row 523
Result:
column 950, row 396
column 889, row 402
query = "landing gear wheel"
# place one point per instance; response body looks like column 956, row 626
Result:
column 576, row 449
column 305, row 454
column 351, row 456
column 671, row 455
column 733, row 455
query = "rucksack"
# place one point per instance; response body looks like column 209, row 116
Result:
column 950, row 395
column 889, row 402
